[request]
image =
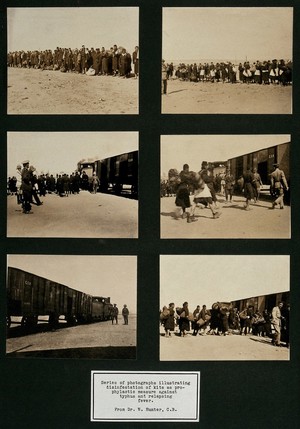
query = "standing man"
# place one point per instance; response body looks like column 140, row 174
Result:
column 26, row 188
column 276, row 321
column 125, row 313
column 135, row 60
column 278, row 186
column 229, row 185
column 114, row 314
column 164, row 77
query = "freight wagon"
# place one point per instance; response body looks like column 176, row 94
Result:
column 263, row 302
column 114, row 172
column 30, row 296
column 263, row 161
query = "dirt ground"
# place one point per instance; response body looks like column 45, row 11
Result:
column 84, row 215
column 214, row 347
column 207, row 97
column 90, row 340
column 235, row 222
column 33, row 91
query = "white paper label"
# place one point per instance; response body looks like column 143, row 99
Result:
column 145, row 396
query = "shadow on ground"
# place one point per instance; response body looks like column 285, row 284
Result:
column 86, row 353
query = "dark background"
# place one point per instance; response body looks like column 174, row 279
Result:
column 55, row 393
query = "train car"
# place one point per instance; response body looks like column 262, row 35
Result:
column 263, row 161
column 30, row 296
column 101, row 308
column 114, row 172
column 263, row 302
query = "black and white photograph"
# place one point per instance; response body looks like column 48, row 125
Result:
column 67, row 306
column 75, row 60
column 235, row 60
column 72, row 184
column 240, row 311
column 225, row 186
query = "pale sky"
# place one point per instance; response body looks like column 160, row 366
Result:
column 227, row 33
column 57, row 152
column 193, row 149
column 205, row 279
column 48, row 28
column 107, row 276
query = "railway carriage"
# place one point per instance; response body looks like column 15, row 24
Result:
column 114, row 172
column 30, row 296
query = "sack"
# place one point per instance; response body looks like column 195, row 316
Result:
column 191, row 317
column 164, row 314
column 90, row 72
column 200, row 322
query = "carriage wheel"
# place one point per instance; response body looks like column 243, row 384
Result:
column 53, row 321
column 8, row 321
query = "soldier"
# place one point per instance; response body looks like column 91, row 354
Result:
column 164, row 77
column 229, row 185
column 278, row 186
column 125, row 313
column 114, row 314
column 276, row 321
column 26, row 188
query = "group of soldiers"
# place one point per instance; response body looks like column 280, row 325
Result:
column 29, row 187
column 200, row 189
column 115, row 312
column 116, row 61
column 259, row 72
column 225, row 319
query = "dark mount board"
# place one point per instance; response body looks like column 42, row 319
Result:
column 55, row 393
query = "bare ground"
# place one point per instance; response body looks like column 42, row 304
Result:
column 100, row 339
column 33, row 91
column 207, row 97
column 212, row 347
column 84, row 215
column 235, row 222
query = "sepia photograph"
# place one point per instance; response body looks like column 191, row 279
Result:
column 240, row 311
column 225, row 186
column 235, row 60
column 76, row 60
column 72, row 184
column 67, row 306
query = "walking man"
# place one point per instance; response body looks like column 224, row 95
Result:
column 278, row 186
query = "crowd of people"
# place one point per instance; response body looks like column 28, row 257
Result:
column 225, row 319
column 116, row 61
column 260, row 72
column 200, row 189
column 29, row 187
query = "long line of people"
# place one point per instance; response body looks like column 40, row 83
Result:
column 225, row 319
column 116, row 61
column 259, row 72
column 29, row 187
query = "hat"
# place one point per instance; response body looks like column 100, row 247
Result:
column 19, row 166
column 276, row 164
column 25, row 162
